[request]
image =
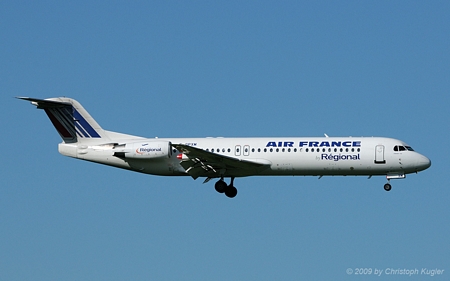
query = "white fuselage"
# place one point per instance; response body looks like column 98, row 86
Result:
column 319, row 156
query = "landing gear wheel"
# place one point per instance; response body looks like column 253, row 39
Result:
column 220, row 186
column 231, row 191
column 387, row 187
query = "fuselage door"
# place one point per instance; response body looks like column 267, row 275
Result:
column 246, row 150
column 379, row 154
column 237, row 150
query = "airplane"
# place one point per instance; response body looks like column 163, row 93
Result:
column 220, row 158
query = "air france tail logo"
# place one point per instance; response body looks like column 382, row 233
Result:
column 84, row 129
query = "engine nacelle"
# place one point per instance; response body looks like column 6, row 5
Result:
column 144, row 150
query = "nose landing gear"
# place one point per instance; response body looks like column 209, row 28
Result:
column 229, row 190
column 391, row 176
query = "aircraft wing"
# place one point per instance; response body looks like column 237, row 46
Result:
column 200, row 163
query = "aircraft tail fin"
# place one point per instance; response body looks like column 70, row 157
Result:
column 73, row 123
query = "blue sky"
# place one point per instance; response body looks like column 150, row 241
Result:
column 231, row 68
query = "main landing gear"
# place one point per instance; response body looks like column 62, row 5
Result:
column 387, row 187
column 229, row 190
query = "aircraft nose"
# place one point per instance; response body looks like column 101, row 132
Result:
column 423, row 163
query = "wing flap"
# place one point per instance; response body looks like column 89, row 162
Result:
column 203, row 163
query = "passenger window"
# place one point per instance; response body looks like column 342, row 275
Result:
column 295, row 149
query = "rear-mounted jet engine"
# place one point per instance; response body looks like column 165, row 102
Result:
column 143, row 150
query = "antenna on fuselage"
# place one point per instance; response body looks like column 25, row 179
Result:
column 326, row 135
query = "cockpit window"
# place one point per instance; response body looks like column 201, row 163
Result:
column 402, row 148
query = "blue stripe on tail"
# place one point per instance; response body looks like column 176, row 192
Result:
column 80, row 121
